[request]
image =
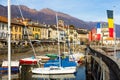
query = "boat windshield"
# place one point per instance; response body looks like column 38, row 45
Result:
column 54, row 68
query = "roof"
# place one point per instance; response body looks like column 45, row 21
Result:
column 3, row 19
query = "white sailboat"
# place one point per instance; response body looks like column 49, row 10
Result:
column 55, row 69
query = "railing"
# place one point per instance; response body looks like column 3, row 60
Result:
column 114, row 71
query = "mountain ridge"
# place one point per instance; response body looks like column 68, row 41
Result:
column 47, row 15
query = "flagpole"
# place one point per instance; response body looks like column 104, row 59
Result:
column 112, row 30
column 114, row 37
column 114, row 43
column 9, row 41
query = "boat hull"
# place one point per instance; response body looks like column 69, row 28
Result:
column 28, row 61
column 4, row 70
column 54, row 70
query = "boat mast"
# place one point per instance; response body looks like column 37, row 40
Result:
column 9, row 40
column 58, row 41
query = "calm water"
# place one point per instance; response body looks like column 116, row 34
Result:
column 118, row 54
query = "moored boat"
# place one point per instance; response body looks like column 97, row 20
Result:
column 14, row 67
column 43, row 58
column 64, row 62
column 58, row 68
column 52, row 56
column 54, row 70
column 28, row 61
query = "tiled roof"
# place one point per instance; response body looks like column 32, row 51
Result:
column 13, row 21
column 3, row 19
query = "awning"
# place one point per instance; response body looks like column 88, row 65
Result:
column 109, row 38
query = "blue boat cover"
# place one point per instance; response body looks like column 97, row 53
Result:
column 12, row 69
column 64, row 63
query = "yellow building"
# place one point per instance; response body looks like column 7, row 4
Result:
column 16, row 32
column 35, row 32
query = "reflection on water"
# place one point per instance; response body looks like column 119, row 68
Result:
column 81, row 75
column 54, row 77
column 118, row 54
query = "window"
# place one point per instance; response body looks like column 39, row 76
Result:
column 33, row 29
column 49, row 33
column 2, row 26
column 20, row 29
column 15, row 36
column 16, row 28
column 11, row 35
column 11, row 28
column 19, row 36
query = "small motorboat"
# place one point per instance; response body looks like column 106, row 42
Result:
column 52, row 56
column 28, row 61
column 14, row 67
column 43, row 58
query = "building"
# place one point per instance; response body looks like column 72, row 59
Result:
column 16, row 31
column 82, row 35
column 3, row 28
column 44, row 31
column 25, row 30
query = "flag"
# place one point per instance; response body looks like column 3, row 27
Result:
column 98, row 31
column 110, row 23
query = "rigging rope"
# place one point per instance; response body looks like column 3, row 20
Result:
column 25, row 23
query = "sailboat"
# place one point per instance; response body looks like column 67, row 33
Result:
column 56, row 69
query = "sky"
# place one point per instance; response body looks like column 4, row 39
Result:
column 86, row 10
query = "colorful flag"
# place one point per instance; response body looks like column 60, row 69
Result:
column 110, row 23
column 98, row 31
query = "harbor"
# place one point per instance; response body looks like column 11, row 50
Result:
column 45, row 44
column 26, row 69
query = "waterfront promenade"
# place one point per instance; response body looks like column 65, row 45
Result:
column 111, row 54
column 112, row 62
column 39, row 50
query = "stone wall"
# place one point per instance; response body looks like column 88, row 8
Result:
column 113, row 66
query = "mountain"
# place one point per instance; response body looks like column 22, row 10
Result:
column 47, row 16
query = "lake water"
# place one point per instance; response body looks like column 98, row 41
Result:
column 118, row 54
